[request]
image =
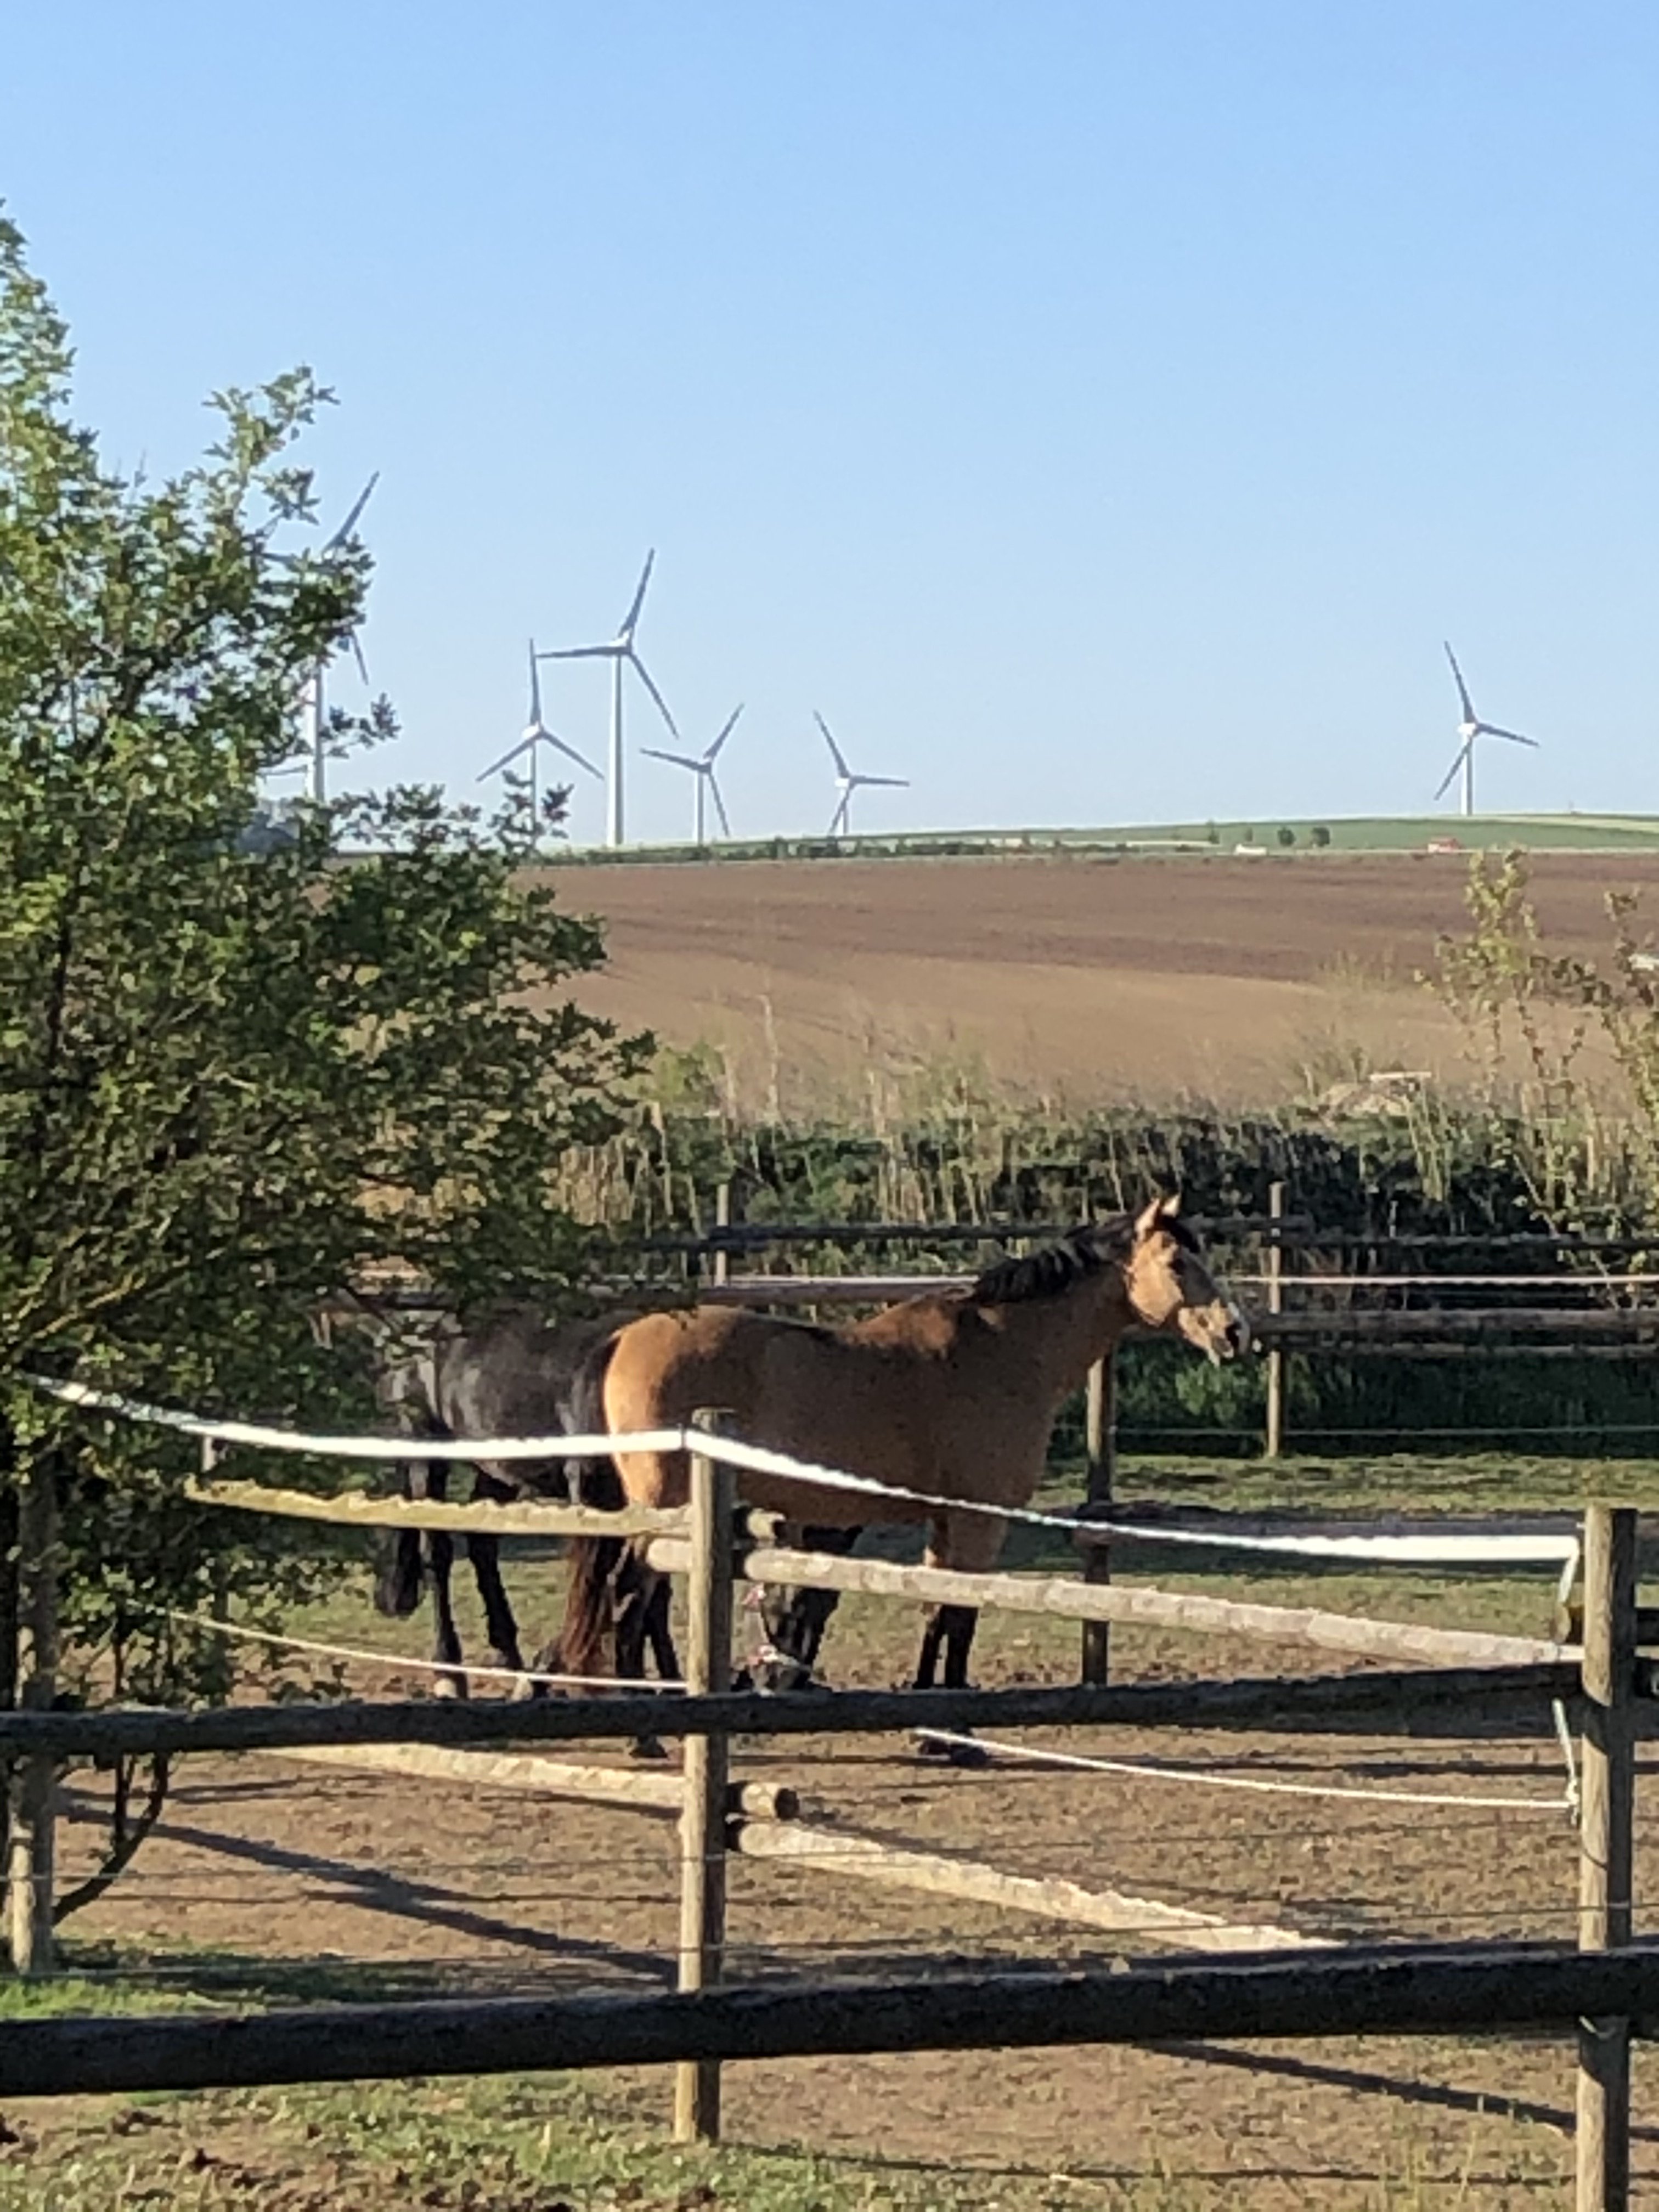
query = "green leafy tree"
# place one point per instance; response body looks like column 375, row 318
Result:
column 236, row 1072
column 1578, row 1039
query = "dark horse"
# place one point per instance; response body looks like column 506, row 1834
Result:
column 511, row 1373
column 952, row 1394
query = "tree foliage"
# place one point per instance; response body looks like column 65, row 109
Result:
column 232, row 1079
column 1583, row 1036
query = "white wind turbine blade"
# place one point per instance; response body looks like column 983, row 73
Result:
column 1450, row 777
column 719, row 803
column 625, row 634
column 835, row 750
column 535, row 689
column 1492, row 729
column 662, row 703
column 580, row 652
column 680, row 760
column 1465, row 701
column 358, row 655
column 895, row 782
column 838, row 819
column 714, row 751
column 550, row 737
column 525, row 746
column 351, row 520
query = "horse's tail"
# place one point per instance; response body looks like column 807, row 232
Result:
column 590, row 1590
column 397, row 1585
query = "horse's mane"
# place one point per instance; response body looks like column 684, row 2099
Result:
column 1052, row 1270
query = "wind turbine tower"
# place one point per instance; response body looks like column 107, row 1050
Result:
column 318, row 706
column 846, row 783
column 1469, row 729
column 535, row 735
column 619, row 651
column 701, row 766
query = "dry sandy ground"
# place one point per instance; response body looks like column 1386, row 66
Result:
column 484, row 1889
column 1227, row 979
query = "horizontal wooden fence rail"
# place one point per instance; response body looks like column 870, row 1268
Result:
column 353, row 1509
column 752, row 1236
column 1071, row 1599
column 858, row 1856
column 543, row 1777
column 1435, row 1324
column 1437, row 1329
column 1433, row 1990
column 1275, row 1700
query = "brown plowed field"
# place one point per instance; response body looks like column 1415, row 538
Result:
column 1230, row 979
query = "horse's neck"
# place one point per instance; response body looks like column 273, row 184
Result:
column 1060, row 1338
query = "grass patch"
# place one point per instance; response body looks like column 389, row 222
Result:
column 540, row 2143
column 565, row 2143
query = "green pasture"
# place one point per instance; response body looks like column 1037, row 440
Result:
column 1311, row 835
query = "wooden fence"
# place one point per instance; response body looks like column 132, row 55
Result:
column 1556, row 1329
column 1609, row 1986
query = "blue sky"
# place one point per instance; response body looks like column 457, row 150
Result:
column 1100, row 412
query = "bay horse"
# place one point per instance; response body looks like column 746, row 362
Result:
column 952, row 1394
column 510, row 1373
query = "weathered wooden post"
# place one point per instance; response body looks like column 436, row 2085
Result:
column 1275, row 1437
column 702, row 1819
column 32, row 1836
column 1606, row 1831
column 1100, row 1439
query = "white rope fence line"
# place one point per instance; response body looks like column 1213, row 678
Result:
column 1152, row 1771
column 264, row 1437
column 1494, row 1550
column 395, row 1663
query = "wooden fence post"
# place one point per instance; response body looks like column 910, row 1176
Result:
column 1275, row 1436
column 1100, row 1435
column 702, row 1820
column 33, row 1836
column 722, row 1220
column 1606, row 1830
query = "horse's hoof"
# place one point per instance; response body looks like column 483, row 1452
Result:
column 646, row 1747
column 450, row 1686
column 966, row 1755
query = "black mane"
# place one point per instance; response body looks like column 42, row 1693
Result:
column 1052, row 1271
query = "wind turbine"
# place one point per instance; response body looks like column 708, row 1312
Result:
column 846, row 783
column 620, row 653
column 1469, row 729
column 701, row 766
column 535, row 735
column 318, row 698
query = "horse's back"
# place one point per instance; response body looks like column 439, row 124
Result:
column 812, row 1393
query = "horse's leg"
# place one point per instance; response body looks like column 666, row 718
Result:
column 484, row 1550
column 441, row 1556
column 796, row 1619
column 642, row 1598
column 952, row 1627
column 663, row 1656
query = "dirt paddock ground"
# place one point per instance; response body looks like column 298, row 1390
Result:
column 430, row 1888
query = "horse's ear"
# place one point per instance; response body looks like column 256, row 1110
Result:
column 1170, row 1206
column 1148, row 1219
